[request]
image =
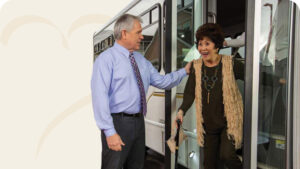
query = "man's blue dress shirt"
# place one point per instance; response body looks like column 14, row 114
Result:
column 114, row 86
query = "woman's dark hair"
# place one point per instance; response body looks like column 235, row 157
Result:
column 213, row 32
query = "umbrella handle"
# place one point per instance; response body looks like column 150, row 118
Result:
column 178, row 122
column 177, row 133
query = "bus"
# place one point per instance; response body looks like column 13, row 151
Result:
column 271, row 131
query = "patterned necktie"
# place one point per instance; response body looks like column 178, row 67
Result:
column 140, row 83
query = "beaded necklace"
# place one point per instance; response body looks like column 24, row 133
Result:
column 213, row 79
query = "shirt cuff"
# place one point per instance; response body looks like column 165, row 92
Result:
column 182, row 72
column 110, row 132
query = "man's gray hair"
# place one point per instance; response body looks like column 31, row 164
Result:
column 124, row 22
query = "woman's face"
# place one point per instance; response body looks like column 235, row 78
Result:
column 207, row 49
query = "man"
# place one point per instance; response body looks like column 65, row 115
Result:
column 120, row 80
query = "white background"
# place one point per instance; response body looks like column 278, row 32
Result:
column 46, row 57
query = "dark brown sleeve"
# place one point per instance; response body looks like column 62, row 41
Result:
column 189, row 92
column 238, row 69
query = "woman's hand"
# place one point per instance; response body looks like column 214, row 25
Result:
column 179, row 117
column 282, row 81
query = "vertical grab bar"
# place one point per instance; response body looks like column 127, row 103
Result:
column 213, row 15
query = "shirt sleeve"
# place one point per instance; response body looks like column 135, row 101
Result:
column 238, row 42
column 189, row 93
column 100, row 84
column 165, row 81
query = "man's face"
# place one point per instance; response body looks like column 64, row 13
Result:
column 134, row 37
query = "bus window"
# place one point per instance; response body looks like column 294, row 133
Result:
column 151, row 44
column 154, row 15
column 185, row 34
column 146, row 19
column 96, row 48
column 152, row 52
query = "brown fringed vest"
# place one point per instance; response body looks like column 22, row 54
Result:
column 232, row 100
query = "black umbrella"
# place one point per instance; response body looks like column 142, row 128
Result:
column 177, row 142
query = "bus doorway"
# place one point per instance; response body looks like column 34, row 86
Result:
column 191, row 14
column 231, row 16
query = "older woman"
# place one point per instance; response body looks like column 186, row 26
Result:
column 219, row 105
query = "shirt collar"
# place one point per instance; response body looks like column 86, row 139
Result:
column 122, row 49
